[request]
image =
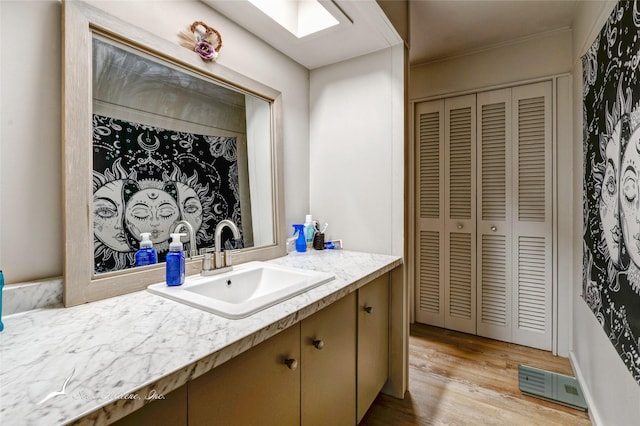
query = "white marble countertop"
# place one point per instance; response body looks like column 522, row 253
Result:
column 107, row 358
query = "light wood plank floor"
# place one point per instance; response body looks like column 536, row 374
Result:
column 460, row 379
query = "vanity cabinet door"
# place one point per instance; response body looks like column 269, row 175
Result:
column 328, row 374
column 257, row 387
column 373, row 341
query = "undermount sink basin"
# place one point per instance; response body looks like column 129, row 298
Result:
column 247, row 289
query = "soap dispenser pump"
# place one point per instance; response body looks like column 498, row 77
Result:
column 301, row 242
column 175, row 262
column 147, row 255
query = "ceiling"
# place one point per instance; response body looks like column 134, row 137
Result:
column 438, row 28
column 363, row 28
column 445, row 28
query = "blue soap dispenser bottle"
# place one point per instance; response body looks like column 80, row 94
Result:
column 147, row 255
column 175, row 262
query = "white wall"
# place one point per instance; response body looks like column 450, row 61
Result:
column 613, row 395
column 356, row 148
column 30, row 142
column 30, row 163
column 526, row 59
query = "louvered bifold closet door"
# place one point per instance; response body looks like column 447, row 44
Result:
column 429, row 137
column 460, row 214
column 494, row 214
column 532, row 215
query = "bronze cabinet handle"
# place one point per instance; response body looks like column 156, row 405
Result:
column 291, row 363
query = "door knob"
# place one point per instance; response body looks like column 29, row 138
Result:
column 368, row 309
column 494, row 229
column 319, row 344
column 291, row 363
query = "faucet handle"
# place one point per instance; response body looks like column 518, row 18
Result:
column 227, row 258
column 207, row 262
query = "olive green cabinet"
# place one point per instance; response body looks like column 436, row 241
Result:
column 328, row 371
column 373, row 341
column 258, row 387
column 304, row 375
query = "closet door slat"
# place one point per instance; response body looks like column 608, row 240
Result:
column 494, row 219
column 460, row 213
column 429, row 164
column 532, row 224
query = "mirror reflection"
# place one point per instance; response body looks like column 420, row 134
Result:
column 171, row 146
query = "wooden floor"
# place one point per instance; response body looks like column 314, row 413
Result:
column 459, row 379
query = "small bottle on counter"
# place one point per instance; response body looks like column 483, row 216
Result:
column 309, row 230
column 175, row 261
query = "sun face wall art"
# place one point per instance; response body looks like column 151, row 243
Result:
column 611, row 186
column 146, row 178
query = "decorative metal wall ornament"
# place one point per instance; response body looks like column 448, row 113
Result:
column 206, row 41
column 611, row 186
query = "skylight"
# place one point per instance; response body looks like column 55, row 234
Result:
column 299, row 17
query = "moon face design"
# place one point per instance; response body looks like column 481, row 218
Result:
column 148, row 142
column 611, row 182
column 216, row 209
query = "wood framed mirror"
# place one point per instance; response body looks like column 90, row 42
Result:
column 152, row 134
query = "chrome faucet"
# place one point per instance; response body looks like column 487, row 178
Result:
column 177, row 227
column 217, row 237
column 216, row 263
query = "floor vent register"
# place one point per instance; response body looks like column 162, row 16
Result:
column 552, row 387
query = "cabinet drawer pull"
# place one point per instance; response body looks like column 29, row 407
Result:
column 291, row 363
column 460, row 226
column 368, row 309
column 319, row 344
column 494, row 229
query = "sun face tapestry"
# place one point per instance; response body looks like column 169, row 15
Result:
column 611, row 203
column 146, row 178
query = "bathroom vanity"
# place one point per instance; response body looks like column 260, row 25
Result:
column 321, row 355
column 326, row 368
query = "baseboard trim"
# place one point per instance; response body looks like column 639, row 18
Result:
column 592, row 411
